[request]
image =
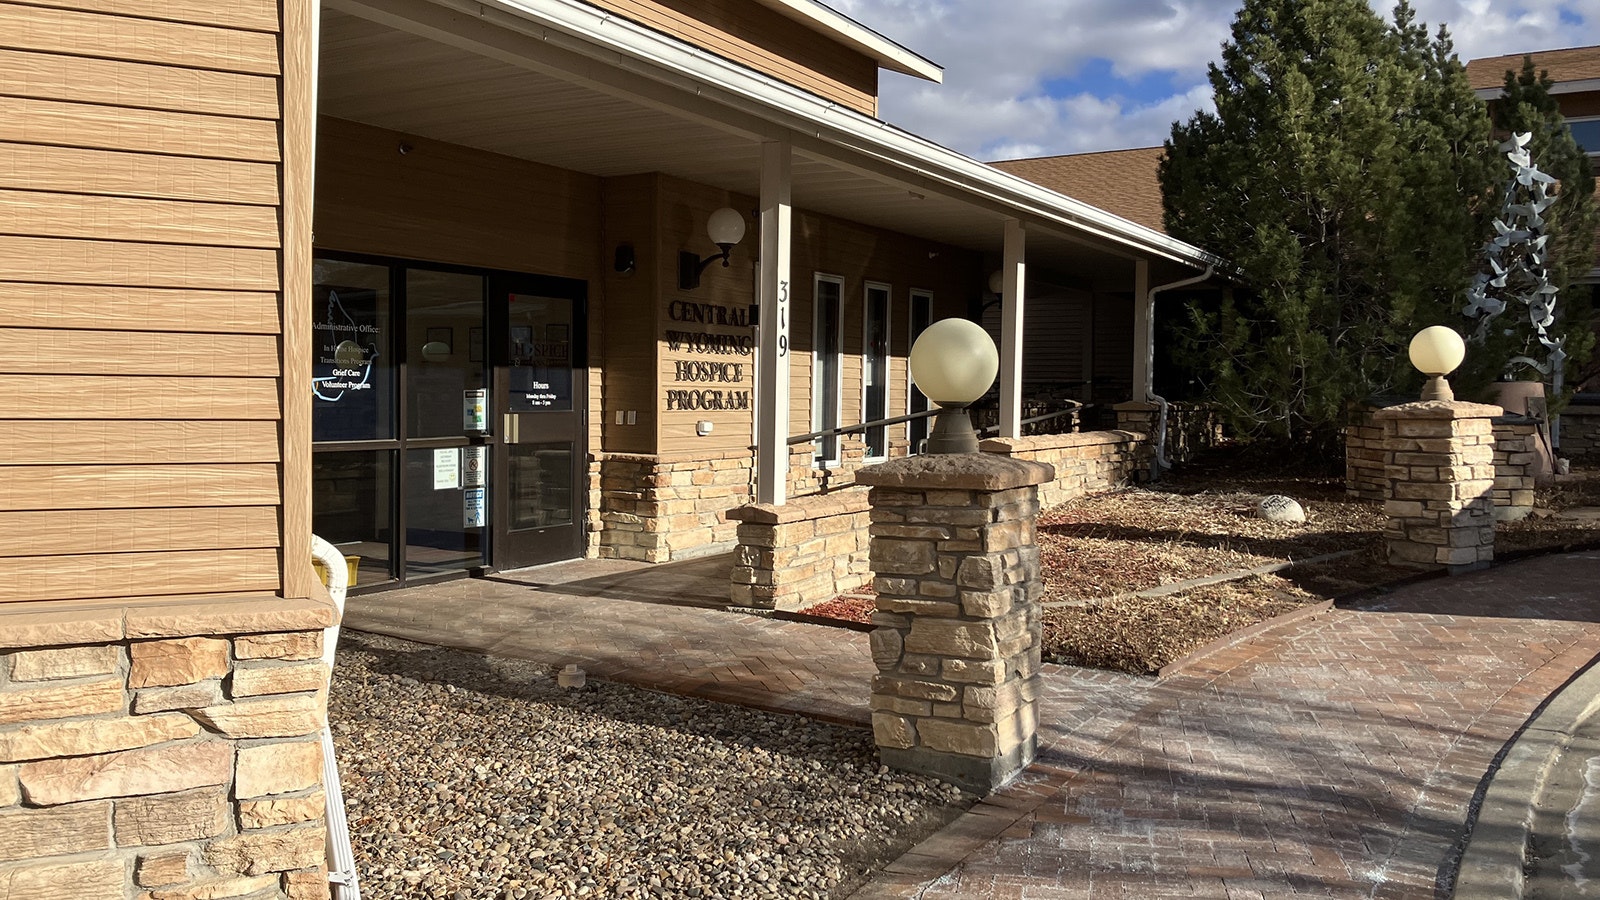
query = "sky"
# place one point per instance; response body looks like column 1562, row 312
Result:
column 1025, row 78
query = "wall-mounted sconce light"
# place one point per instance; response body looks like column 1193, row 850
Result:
column 623, row 260
column 726, row 228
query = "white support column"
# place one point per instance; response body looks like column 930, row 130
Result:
column 772, row 356
column 1014, row 270
column 1143, row 334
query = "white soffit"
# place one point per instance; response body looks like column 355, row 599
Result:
column 850, row 138
column 846, row 30
column 1560, row 87
column 694, row 88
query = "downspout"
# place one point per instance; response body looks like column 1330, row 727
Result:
column 1150, row 363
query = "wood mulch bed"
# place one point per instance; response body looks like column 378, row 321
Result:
column 1097, row 552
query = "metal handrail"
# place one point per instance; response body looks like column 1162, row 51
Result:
column 851, row 429
column 1076, row 408
column 1072, row 411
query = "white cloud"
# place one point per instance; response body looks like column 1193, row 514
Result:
column 1003, row 61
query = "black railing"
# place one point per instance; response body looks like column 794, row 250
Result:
column 852, row 429
column 1072, row 411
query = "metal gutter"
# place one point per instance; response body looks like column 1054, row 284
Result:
column 817, row 124
column 1560, row 87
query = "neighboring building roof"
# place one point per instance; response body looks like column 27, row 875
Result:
column 842, row 28
column 1122, row 182
column 1570, row 68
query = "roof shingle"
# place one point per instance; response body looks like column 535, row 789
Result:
column 1573, row 64
column 1121, row 182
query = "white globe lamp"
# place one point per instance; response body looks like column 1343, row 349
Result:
column 953, row 363
column 725, row 228
column 1437, row 351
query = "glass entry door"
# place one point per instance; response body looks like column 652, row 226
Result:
column 541, row 398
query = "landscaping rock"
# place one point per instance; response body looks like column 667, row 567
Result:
column 483, row 777
column 1278, row 508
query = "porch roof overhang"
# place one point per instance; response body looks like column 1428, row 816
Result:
column 570, row 85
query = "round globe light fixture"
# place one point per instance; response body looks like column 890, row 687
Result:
column 997, row 282
column 725, row 228
column 953, row 363
column 1436, row 351
column 436, row 351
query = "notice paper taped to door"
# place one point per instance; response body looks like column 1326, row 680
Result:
column 472, row 466
column 446, row 468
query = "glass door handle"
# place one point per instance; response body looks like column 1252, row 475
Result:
column 512, row 431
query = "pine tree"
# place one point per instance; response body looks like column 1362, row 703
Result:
column 1342, row 173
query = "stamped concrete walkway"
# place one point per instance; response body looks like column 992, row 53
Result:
column 1338, row 756
column 656, row 626
column 1335, row 757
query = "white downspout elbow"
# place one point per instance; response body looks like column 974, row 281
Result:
column 1150, row 359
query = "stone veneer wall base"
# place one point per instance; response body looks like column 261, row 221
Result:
column 970, row 773
column 1516, row 454
column 814, row 548
column 1439, row 464
column 168, row 750
column 957, row 642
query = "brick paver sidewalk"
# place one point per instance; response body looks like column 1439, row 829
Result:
column 1336, row 757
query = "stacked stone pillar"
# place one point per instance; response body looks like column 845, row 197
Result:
column 957, row 641
column 1439, row 467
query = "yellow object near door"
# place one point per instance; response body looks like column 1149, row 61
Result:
column 352, row 565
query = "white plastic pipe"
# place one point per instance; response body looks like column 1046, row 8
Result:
column 342, row 882
column 1150, row 364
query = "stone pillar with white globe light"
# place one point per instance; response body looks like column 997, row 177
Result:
column 957, row 643
column 1438, row 457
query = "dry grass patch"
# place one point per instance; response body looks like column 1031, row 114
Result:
column 1098, row 552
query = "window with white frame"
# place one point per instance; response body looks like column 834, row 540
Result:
column 875, row 367
column 827, row 362
column 916, row 401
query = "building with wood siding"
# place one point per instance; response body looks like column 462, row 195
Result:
column 406, row 273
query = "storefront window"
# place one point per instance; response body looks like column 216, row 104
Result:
column 439, row 508
column 352, row 507
column 541, row 353
column 353, row 368
column 875, row 368
column 445, row 361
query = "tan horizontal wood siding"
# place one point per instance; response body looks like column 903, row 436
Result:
column 681, row 225
column 448, row 203
column 152, row 153
column 442, row 202
column 858, row 254
column 629, row 331
column 854, row 252
column 765, row 40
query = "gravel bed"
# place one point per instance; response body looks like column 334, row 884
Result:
column 477, row 777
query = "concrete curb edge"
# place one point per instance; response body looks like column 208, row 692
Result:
column 1496, row 853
